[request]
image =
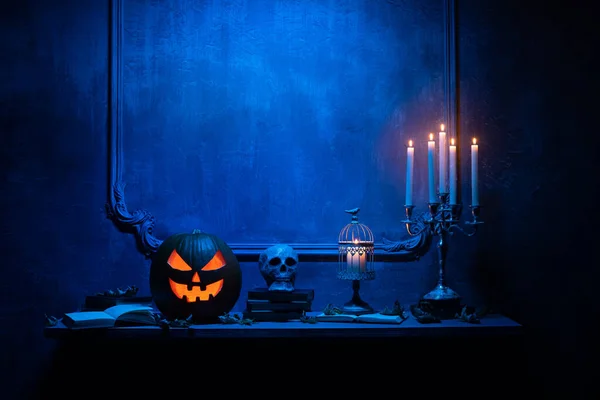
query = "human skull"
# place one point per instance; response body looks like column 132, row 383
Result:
column 278, row 265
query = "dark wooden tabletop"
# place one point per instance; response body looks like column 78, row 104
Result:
column 496, row 325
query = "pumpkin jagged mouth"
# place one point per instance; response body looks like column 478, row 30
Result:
column 193, row 293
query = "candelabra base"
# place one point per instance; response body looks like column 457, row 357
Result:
column 356, row 305
column 441, row 302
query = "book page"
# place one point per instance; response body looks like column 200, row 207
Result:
column 336, row 318
column 81, row 316
column 118, row 310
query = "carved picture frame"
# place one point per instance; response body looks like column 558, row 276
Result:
column 141, row 222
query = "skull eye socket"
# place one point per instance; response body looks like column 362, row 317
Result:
column 290, row 262
column 275, row 261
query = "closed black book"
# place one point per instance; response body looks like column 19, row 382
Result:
column 266, row 305
column 277, row 296
column 101, row 303
column 271, row 316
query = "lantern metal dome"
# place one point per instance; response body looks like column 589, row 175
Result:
column 356, row 250
column 356, row 247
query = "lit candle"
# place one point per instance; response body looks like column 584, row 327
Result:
column 355, row 260
column 431, row 168
column 410, row 162
column 443, row 146
column 474, row 173
column 351, row 262
column 362, row 261
column 452, row 179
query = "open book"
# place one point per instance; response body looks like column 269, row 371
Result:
column 375, row 318
column 119, row 315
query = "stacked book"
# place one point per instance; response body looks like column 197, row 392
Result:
column 276, row 306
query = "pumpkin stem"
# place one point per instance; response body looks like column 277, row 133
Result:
column 196, row 231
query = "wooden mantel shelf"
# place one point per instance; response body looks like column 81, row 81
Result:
column 491, row 325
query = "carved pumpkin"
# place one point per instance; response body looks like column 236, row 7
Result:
column 195, row 274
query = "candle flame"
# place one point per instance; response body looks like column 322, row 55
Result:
column 452, row 142
column 442, row 127
column 431, row 136
column 474, row 141
column 410, row 143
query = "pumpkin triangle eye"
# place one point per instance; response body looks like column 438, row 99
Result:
column 217, row 262
column 176, row 262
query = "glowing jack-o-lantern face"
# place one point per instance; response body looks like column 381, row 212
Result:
column 193, row 291
column 195, row 274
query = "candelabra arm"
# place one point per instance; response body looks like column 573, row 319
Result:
column 412, row 231
column 462, row 230
column 409, row 221
column 416, row 245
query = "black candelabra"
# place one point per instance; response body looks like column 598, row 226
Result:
column 443, row 220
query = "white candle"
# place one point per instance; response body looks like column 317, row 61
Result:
column 443, row 168
column 474, row 173
column 355, row 260
column 351, row 261
column 410, row 162
column 431, row 168
column 452, row 179
column 362, row 261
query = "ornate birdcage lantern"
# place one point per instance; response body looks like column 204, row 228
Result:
column 356, row 261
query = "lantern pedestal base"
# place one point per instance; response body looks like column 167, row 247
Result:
column 441, row 302
column 356, row 305
column 352, row 308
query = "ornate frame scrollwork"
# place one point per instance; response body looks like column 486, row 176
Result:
column 141, row 222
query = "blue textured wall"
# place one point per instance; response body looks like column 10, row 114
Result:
column 261, row 121
column 524, row 78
